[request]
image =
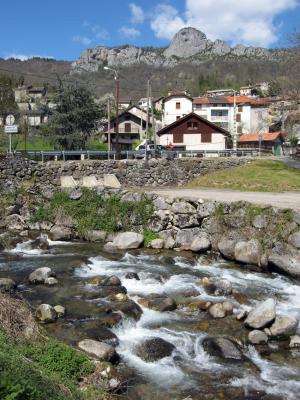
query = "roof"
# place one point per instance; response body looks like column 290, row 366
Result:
column 228, row 100
column 265, row 137
column 179, row 94
column 188, row 116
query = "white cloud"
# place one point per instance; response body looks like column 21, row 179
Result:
column 137, row 14
column 24, row 57
column 249, row 22
column 129, row 32
column 82, row 40
column 97, row 31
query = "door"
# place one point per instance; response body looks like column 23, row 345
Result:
column 127, row 127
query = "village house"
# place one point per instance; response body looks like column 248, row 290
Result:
column 251, row 114
column 192, row 132
column 132, row 128
column 268, row 142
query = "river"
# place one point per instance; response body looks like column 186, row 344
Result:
column 190, row 372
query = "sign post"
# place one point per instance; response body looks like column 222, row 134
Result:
column 10, row 128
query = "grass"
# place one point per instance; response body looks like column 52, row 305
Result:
column 258, row 176
column 93, row 212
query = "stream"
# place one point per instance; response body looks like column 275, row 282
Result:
column 272, row 372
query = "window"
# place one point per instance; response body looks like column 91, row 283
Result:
column 238, row 117
column 240, row 108
column 205, row 137
column 239, row 129
column 127, row 127
column 177, row 137
column 219, row 113
column 178, row 106
column 192, row 125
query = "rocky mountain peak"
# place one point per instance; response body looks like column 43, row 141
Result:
column 187, row 42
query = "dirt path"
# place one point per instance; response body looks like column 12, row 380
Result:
column 281, row 200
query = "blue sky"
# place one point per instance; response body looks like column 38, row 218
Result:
column 63, row 29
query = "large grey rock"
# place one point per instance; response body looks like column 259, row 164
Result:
column 262, row 315
column 161, row 304
column 128, row 240
column 46, row 313
column 157, row 244
column 185, row 237
column 168, row 238
column 295, row 342
column 7, row 285
column 283, row 326
column 288, row 264
column 102, row 351
column 257, row 337
column 201, row 243
column 186, row 43
column 260, row 221
column 154, row 349
column 294, row 239
column 226, row 248
column 60, row 311
column 206, row 209
column 40, row 275
column 217, row 310
column 183, row 207
column 95, row 236
column 185, row 220
column 249, row 252
column 160, row 220
column 223, row 348
column 60, row 233
column 15, row 222
column 160, row 203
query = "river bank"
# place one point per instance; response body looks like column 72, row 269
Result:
column 194, row 298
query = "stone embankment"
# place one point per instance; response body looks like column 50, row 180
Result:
column 265, row 237
column 15, row 171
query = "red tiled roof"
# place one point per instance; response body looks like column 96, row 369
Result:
column 246, row 99
column 254, row 137
column 228, row 100
column 200, row 100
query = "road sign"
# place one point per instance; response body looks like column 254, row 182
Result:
column 10, row 119
column 11, row 129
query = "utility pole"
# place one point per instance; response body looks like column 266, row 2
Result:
column 108, row 124
column 234, row 122
column 117, row 98
column 153, row 122
column 147, row 120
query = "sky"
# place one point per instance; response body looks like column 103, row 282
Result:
column 62, row 29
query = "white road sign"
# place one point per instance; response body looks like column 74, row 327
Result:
column 11, row 129
column 10, row 119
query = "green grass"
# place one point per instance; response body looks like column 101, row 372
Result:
column 149, row 236
column 40, row 370
column 258, row 176
column 93, row 212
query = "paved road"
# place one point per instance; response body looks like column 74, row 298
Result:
column 291, row 162
column 281, row 200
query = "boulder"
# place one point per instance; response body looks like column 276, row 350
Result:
column 185, row 237
column 160, row 203
column 288, row 264
column 60, row 233
column 185, row 220
column 183, row 207
column 95, row 236
column 226, row 248
column 102, row 351
column 201, row 244
column 283, row 326
column 295, row 342
column 109, row 247
column 260, row 221
column 219, row 287
column 257, row 337
column 223, row 348
column 168, row 238
column 294, row 240
column 128, row 240
column 206, row 209
column 154, row 349
column 160, row 220
column 40, row 243
column 96, row 281
column 60, row 311
column 46, row 313
column 262, row 315
column 249, row 252
column 161, row 304
column 76, row 194
column 40, row 275
column 132, row 275
column 157, row 244
column 51, row 281
column 221, row 310
column 112, row 281
column 14, row 222
column 7, row 285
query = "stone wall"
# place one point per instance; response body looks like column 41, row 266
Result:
column 14, row 170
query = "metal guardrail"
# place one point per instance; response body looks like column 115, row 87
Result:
column 139, row 154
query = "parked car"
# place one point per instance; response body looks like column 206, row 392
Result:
column 140, row 150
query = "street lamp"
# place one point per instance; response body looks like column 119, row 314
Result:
column 116, row 76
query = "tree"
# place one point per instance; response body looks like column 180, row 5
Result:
column 7, row 97
column 75, row 118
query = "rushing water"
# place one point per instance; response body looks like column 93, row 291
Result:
column 190, row 371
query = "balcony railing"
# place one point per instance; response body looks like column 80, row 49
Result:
column 133, row 130
column 219, row 118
